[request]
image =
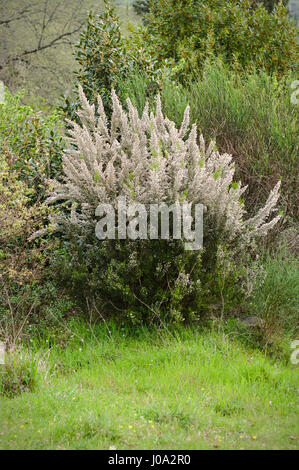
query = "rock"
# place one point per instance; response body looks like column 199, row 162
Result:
column 251, row 321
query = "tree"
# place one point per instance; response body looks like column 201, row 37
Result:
column 141, row 6
column 36, row 37
column 271, row 4
column 101, row 57
column 105, row 57
column 42, row 17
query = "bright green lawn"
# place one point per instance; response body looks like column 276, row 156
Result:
column 198, row 390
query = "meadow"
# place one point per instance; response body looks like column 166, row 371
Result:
column 181, row 389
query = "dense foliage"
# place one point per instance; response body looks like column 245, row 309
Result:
column 105, row 57
column 31, row 142
column 244, row 35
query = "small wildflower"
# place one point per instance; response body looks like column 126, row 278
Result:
column 22, row 425
column 254, row 437
column 130, row 427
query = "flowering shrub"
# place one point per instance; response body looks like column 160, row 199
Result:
column 148, row 160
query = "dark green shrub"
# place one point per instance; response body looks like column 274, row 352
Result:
column 244, row 34
column 101, row 55
column 31, row 142
column 140, row 282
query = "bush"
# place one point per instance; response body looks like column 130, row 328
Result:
column 31, row 142
column 30, row 152
column 148, row 161
column 275, row 300
column 242, row 32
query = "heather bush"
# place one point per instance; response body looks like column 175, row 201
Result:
column 250, row 117
column 148, row 160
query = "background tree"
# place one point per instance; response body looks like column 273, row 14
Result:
column 105, row 56
column 36, row 39
column 271, row 4
column 141, row 6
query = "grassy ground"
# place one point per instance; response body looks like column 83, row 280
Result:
column 183, row 390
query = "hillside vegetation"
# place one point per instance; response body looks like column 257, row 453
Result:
column 155, row 335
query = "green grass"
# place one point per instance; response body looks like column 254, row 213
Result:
column 188, row 389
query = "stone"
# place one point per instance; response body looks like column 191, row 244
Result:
column 251, row 321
